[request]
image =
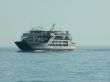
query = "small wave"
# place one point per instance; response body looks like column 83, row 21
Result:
column 93, row 49
column 40, row 81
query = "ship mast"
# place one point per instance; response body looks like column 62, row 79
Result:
column 52, row 27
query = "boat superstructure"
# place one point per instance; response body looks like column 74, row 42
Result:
column 39, row 39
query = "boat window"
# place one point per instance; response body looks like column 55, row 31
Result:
column 58, row 38
column 58, row 44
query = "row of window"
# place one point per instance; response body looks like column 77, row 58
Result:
column 58, row 44
column 43, row 36
column 61, row 38
column 39, row 36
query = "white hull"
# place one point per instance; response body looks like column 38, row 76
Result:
column 45, row 46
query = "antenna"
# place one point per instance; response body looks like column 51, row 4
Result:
column 52, row 27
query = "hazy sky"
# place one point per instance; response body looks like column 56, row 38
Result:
column 87, row 20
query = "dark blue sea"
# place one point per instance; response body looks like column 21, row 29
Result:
column 84, row 64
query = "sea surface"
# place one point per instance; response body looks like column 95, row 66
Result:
column 84, row 64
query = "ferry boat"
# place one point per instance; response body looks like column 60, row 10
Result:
column 39, row 39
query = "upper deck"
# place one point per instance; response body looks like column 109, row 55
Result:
column 38, row 34
column 40, row 30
